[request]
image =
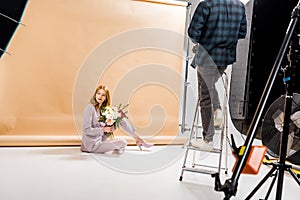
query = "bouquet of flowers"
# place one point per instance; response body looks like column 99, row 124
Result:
column 112, row 116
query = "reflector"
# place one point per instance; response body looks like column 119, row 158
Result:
column 271, row 129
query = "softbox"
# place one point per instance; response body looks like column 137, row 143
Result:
column 11, row 12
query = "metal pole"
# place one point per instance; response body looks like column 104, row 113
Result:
column 186, row 83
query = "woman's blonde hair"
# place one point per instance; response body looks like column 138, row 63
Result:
column 107, row 99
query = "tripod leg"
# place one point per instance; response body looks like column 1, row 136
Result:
column 271, row 186
column 261, row 183
column 294, row 176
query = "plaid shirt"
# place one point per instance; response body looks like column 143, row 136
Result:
column 216, row 26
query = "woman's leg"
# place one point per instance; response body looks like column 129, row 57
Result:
column 130, row 130
column 110, row 145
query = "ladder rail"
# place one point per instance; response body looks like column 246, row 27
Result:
column 193, row 135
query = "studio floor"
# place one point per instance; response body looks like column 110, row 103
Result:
column 65, row 173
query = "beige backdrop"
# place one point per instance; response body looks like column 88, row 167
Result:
column 56, row 63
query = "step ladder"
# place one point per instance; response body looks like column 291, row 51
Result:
column 197, row 166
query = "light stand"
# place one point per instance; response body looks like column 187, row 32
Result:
column 281, row 166
column 187, row 58
column 230, row 186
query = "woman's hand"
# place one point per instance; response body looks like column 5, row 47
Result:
column 108, row 129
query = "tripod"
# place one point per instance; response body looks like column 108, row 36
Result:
column 278, row 169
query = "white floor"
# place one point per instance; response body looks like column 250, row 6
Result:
column 65, row 173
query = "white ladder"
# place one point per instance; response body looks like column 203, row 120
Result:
column 204, row 168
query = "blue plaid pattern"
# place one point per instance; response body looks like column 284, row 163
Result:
column 217, row 25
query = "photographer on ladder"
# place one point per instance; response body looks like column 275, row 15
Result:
column 216, row 27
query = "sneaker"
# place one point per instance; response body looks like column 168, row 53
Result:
column 218, row 118
column 203, row 145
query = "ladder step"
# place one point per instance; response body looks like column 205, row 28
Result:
column 203, row 171
column 215, row 167
column 198, row 149
column 197, row 126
